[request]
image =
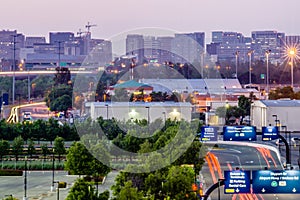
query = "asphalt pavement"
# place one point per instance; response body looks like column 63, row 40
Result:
column 39, row 185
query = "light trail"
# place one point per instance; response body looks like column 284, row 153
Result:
column 14, row 114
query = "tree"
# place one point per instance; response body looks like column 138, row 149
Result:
column 17, row 146
column 45, row 150
column 81, row 190
column 31, row 149
column 78, row 160
column 40, row 85
column 59, row 147
column 59, row 98
column 178, row 182
column 284, row 92
column 120, row 95
column 81, row 162
column 245, row 104
column 4, row 147
column 62, row 76
column 129, row 192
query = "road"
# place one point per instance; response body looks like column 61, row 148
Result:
column 245, row 156
column 39, row 185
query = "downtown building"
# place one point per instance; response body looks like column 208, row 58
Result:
column 271, row 41
column 180, row 48
column 229, row 46
column 10, row 44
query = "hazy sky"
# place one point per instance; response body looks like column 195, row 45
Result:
column 39, row 17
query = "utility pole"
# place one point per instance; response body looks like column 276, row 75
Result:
column 59, row 47
column 14, row 68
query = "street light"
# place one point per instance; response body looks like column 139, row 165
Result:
column 236, row 63
column 106, row 111
column 292, row 53
column 148, row 108
column 25, row 180
column 267, row 59
column 53, row 159
column 165, row 117
column 250, row 54
column 275, row 119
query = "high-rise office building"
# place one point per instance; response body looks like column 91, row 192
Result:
column 188, row 47
column 10, row 44
column 268, row 40
column 30, row 41
column 151, row 48
column 135, row 46
column 165, row 49
column 56, row 37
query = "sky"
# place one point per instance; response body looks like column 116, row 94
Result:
column 39, row 17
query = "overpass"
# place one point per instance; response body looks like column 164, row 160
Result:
column 42, row 72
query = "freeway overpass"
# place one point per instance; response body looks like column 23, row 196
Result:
column 42, row 72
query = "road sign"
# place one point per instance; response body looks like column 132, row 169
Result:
column 209, row 133
column 236, row 181
column 239, row 133
column 276, row 181
column 269, row 133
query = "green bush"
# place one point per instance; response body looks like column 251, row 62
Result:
column 11, row 173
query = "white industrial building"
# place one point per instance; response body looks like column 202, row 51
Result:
column 150, row 111
column 266, row 112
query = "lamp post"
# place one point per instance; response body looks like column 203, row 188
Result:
column 292, row 52
column 53, row 159
column 148, row 109
column 25, row 180
column 267, row 59
column 165, row 117
column 250, row 55
column 275, row 119
column 236, row 63
column 106, row 105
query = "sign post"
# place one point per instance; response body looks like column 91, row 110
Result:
column 236, row 182
column 209, row 133
column 269, row 133
column 276, row 181
column 239, row 133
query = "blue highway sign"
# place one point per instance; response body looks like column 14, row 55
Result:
column 269, row 133
column 276, row 181
column 239, row 133
column 209, row 133
column 237, row 181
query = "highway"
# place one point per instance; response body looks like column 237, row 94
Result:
column 38, row 111
column 245, row 156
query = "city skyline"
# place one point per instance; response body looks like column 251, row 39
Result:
column 32, row 17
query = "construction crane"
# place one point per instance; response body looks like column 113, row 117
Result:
column 88, row 26
column 80, row 32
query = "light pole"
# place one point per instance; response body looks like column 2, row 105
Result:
column 25, row 180
column 106, row 105
column 53, row 159
column 276, row 120
column 28, row 87
column 236, row 63
column 165, row 116
column 14, row 68
column 148, row 109
column 292, row 52
column 250, row 55
column 267, row 58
